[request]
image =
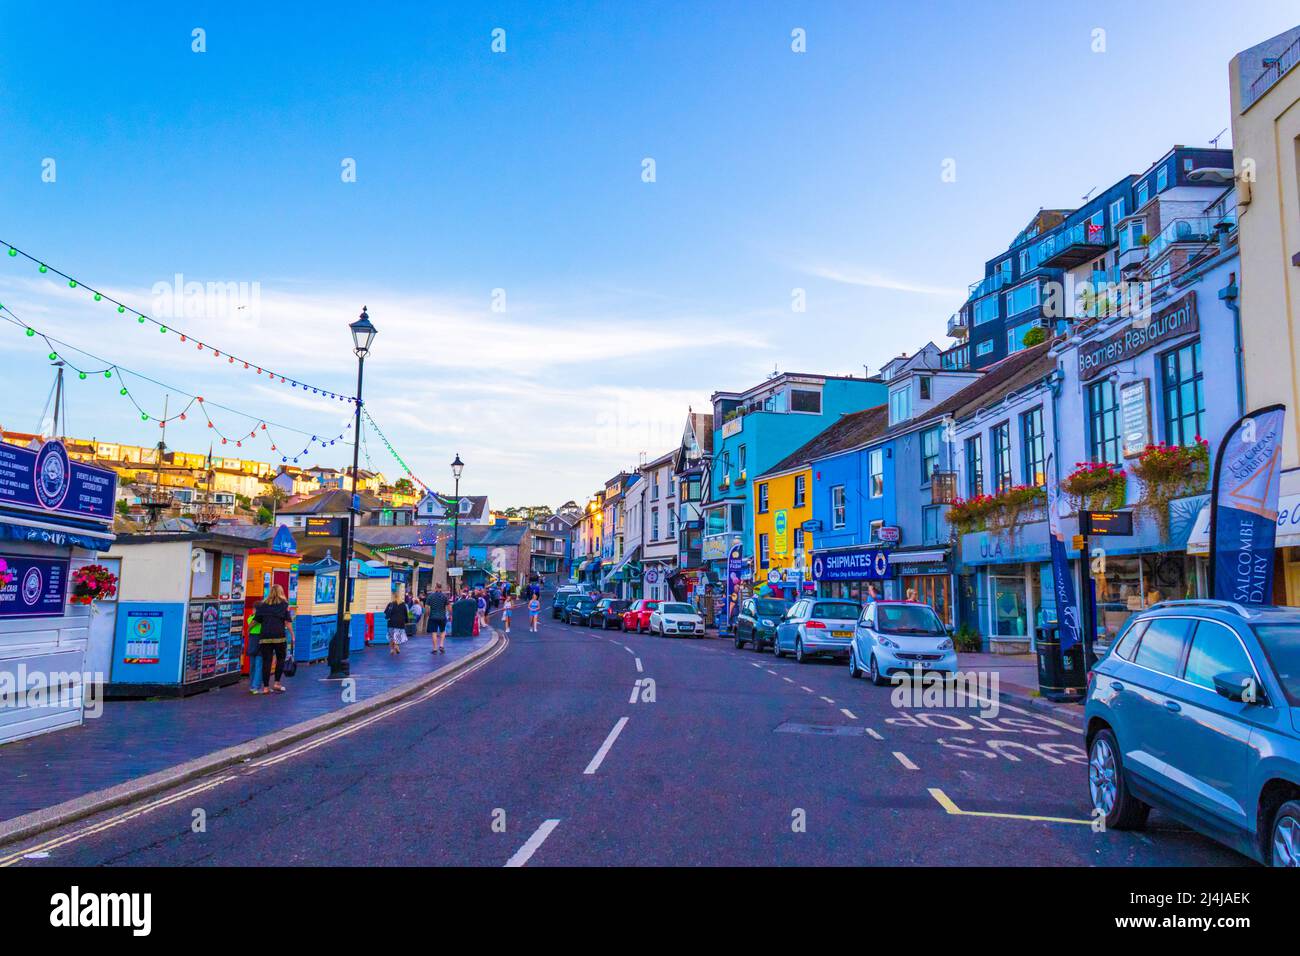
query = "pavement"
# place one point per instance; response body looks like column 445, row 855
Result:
column 135, row 738
column 577, row 747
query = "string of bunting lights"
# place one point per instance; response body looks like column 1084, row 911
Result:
column 143, row 318
column 262, row 426
column 391, row 450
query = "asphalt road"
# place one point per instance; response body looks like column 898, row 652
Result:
column 541, row 757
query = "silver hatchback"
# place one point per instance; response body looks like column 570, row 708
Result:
column 817, row 627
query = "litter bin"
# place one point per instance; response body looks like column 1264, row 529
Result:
column 463, row 613
column 1061, row 676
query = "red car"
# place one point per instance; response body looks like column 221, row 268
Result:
column 637, row 617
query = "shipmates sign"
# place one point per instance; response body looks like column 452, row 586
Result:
column 46, row 480
column 1178, row 318
column 854, row 564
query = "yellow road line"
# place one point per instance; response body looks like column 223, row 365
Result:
column 946, row 802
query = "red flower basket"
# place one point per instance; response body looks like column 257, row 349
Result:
column 91, row 583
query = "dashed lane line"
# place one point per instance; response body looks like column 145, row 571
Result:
column 525, row 852
column 638, row 665
column 872, row 734
column 604, row 748
column 946, row 802
column 828, row 700
column 848, row 713
column 902, row 758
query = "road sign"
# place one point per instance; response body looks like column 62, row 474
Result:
column 1106, row 522
column 455, row 572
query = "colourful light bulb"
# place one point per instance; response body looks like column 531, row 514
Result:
column 43, row 269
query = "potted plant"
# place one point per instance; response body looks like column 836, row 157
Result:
column 6, row 575
column 1095, row 486
column 966, row 515
column 1013, row 505
column 91, row 583
column 1167, row 472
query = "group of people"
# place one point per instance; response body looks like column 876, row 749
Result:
column 405, row 612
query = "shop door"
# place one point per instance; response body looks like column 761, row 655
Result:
column 1292, row 584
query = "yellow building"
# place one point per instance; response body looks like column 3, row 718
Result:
column 1265, row 99
column 782, row 503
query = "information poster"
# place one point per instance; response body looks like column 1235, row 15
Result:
column 143, row 637
column 213, row 640
column 37, row 587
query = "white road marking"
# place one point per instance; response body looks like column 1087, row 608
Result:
column 753, row 664
column 787, row 680
column 525, row 852
column 902, row 758
column 638, row 665
column 871, row 733
column 628, row 649
column 827, row 699
column 807, row 688
column 848, row 713
column 604, row 748
column 773, row 673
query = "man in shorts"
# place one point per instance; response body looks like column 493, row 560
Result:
column 436, row 608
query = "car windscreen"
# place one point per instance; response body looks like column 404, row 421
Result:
column 619, row 605
column 1282, row 645
column 676, row 609
column 772, row 608
column 836, row 610
column 915, row 619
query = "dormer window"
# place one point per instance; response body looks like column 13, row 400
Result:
column 924, row 386
column 900, row 405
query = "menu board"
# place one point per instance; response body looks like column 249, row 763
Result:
column 47, row 480
column 213, row 640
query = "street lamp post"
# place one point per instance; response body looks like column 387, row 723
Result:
column 363, row 333
column 456, row 467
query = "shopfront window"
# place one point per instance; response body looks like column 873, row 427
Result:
column 1010, row 604
column 1130, row 583
column 931, row 589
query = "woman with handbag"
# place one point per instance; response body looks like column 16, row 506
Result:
column 273, row 642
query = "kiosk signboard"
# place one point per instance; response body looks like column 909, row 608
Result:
column 48, row 481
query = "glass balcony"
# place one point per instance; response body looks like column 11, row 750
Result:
column 988, row 284
column 958, row 327
column 1075, row 245
column 1200, row 229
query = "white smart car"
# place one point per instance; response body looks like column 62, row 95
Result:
column 675, row 619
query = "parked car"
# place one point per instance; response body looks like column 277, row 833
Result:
column 676, row 618
column 1196, row 710
column 609, row 612
column 637, row 616
column 579, row 610
column 894, row 636
column 817, row 627
column 561, row 600
column 757, row 621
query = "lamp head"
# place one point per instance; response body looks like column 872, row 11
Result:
column 363, row 333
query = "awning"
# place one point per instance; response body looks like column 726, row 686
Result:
column 928, row 556
column 39, row 532
column 1288, row 526
column 620, row 570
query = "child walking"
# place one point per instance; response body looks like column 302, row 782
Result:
column 505, row 615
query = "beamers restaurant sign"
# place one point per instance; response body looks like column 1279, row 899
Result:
column 1178, row 318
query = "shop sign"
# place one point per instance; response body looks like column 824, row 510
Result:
column 780, row 536
column 812, row 526
column 1174, row 320
column 1135, row 417
column 889, row 534
column 713, row 549
column 733, row 426
column 856, row 564
column 37, row 587
column 48, row 480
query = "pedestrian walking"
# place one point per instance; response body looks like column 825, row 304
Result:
column 276, row 627
column 437, row 614
column 396, row 616
column 534, row 608
column 254, row 655
column 482, row 610
column 414, row 613
column 505, row 614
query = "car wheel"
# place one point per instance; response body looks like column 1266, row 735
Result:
column 798, row 651
column 854, row 672
column 1285, row 844
column 740, row 642
column 776, row 646
column 1108, row 787
column 873, row 671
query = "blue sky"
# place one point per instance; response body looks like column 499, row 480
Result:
column 624, row 301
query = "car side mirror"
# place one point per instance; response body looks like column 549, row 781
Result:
column 1239, row 686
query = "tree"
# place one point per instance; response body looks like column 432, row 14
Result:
column 404, row 486
column 122, row 507
column 263, row 514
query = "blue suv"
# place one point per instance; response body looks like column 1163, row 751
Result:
column 1196, row 710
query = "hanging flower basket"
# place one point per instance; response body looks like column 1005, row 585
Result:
column 1167, row 472
column 1015, row 505
column 6, row 575
column 1095, row 486
column 971, row 514
column 91, row 583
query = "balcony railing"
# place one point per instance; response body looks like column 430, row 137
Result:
column 957, row 325
column 989, row 284
column 1272, row 73
column 1077, row 244
column 1198, row 229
